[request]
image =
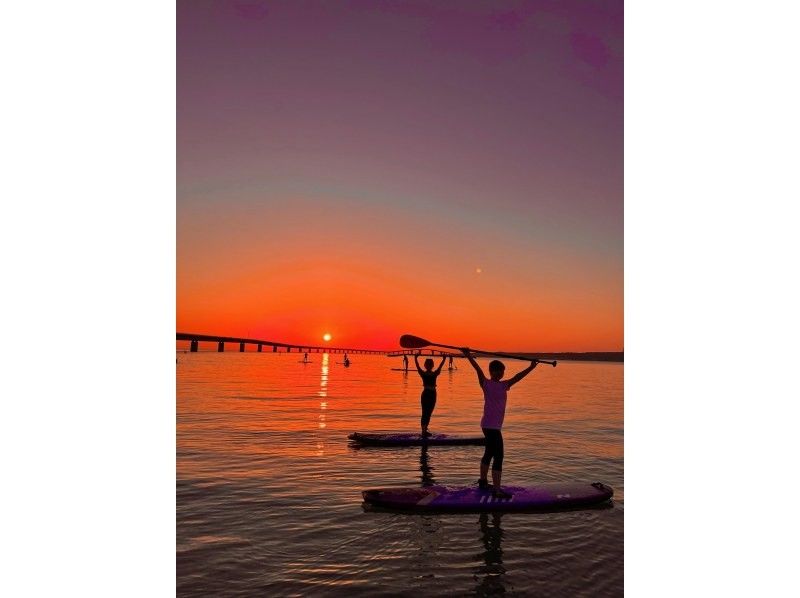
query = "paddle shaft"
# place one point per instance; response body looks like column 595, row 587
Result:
column 495, row 354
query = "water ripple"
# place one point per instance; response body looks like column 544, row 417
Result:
column 268, row 489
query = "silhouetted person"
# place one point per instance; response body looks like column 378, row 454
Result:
column 428, row 397
column 405, row 362
column 450, row 363
column 494, row 410
column 305, row 358
column 346, row 361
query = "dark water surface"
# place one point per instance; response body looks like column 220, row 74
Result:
column 268, row 489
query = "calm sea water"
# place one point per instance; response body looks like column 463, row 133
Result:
column 268, row 489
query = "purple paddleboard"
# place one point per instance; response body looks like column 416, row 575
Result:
column 411, row 439
column 561, row 495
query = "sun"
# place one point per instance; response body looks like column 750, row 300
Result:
column 326, row 336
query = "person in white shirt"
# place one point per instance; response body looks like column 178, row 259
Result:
column 494, row 409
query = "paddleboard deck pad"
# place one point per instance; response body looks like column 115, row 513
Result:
column 543, row 497
column 411, row 439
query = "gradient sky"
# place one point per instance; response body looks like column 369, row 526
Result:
column 347, row 167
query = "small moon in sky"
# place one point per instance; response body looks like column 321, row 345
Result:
column 326, row 336
column 478, row 270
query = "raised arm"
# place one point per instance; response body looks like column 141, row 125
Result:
column 481, row 376
column 416, row 361
column 520, row 375
column 439, row 369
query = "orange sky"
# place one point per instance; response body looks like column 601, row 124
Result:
column 293, row 273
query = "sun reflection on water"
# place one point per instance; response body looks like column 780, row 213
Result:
column 323, row 405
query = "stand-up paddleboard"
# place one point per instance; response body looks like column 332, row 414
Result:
column 563, row 495
column 301, row 361
column 411, row 439
column 401, row 370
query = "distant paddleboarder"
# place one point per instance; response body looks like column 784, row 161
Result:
column 428, row 397
column 405, row 362
column 450, row 363
column 346, row 361
column 494, row 410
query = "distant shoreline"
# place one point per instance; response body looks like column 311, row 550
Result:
column 616, row 356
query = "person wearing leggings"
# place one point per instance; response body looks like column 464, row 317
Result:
column 428, row 398
column 495, row 394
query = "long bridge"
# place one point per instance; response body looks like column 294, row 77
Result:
column 196, row 339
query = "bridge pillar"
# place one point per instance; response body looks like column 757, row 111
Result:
column 220, row 347
column 241, row 347
column 193, row 347
column 274, row 348
column 259, row 347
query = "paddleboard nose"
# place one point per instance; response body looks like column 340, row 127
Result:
column 603, row 488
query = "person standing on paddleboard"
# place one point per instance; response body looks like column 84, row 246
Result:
column 428, row 397
column 494, row 409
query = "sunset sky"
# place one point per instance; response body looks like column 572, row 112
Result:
column 452, row 170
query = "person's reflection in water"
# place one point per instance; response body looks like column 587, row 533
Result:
column 491, row 575
column 425, row 468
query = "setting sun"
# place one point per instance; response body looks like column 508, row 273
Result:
column 326, row 336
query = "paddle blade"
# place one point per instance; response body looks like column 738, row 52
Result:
column 409, row 341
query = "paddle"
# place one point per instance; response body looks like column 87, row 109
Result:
column 409, row 341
